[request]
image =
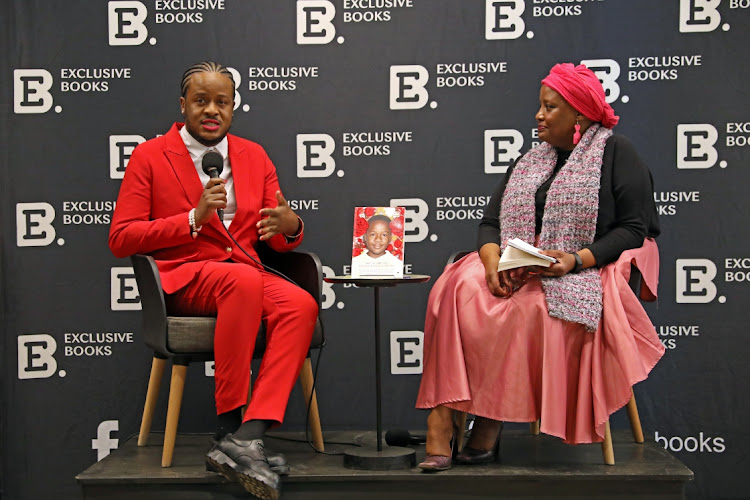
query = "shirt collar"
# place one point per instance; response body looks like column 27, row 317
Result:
column 197, row 150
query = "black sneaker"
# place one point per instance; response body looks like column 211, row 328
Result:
column 277, row 461
column 245, row 462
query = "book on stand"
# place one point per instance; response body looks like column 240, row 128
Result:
column 378, row 242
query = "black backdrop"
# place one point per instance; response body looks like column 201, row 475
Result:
column 85, row 81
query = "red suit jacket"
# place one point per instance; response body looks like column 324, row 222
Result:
column 160, row 188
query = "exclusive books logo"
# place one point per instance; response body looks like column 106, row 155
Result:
column 126, row 19
column 315, row 17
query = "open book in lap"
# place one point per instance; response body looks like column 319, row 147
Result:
column 518, row 253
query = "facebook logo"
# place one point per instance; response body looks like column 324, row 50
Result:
column 104, row 443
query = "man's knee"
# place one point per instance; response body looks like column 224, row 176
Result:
column 247, row 282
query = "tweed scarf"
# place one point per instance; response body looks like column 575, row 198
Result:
column 569, row 221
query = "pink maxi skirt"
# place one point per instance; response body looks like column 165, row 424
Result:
column 508, row 360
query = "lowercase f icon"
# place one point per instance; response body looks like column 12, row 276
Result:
column 314, row 26
column 104, row 443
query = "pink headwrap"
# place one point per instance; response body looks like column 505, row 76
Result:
column 582, row 89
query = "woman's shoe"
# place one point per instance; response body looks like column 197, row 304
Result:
column 437, row 463
column 473, row 456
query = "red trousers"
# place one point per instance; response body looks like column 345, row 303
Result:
column 241, row 296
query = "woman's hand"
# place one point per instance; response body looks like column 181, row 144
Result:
column 490, row 255
column 565, row 263
column 214, row 197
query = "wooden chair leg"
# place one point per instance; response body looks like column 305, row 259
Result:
column 311, row 400
column 176, row 389
column 461, row 427
column 534, row 428
column 249, row 395
column 635, row 420
column 152, row 395
column 607, row 450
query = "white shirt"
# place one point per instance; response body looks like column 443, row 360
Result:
column 197, row 150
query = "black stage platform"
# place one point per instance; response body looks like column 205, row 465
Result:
column 529, row 467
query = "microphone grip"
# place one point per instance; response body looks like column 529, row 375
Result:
column 214, row 174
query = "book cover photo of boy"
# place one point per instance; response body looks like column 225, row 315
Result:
column 378, row 248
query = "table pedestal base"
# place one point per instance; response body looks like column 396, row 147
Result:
column 391, row 458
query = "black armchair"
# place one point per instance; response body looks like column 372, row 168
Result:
column 186, row 338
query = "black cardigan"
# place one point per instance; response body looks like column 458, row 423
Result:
column 627, row 212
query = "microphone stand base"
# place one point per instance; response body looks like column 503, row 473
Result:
column 369, row 458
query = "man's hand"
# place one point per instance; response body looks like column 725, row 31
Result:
column 214, row 197
column 281, row 219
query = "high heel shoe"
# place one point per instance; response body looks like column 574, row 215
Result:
column 473, row 456
column 437, row 463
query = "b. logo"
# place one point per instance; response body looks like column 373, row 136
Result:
column 314, row 155
column 124, row 290
column 36, row 356
column 31, row 91
column 699, row 16
column 104, row 443
column 695, row 145
column 608, row 71
column 329, row 295
column 125, row 20
column 314, row 26
column 237, row 79
column 120, row 149
column 406, row 352
column 503, row 19
column 695, row 283
column 501, row 148
column 34, row 224
column 415, row 213
column 407, row 87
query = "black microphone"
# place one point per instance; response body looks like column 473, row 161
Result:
column 213, row 164
column 401, row 437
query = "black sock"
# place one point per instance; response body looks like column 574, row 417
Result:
column 229, row 422
column 253, row 429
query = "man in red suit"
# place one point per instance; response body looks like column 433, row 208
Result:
column 167, row 207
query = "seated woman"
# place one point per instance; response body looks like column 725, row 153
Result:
column 562, row 344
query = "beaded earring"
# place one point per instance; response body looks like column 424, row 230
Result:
column 577, row 133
